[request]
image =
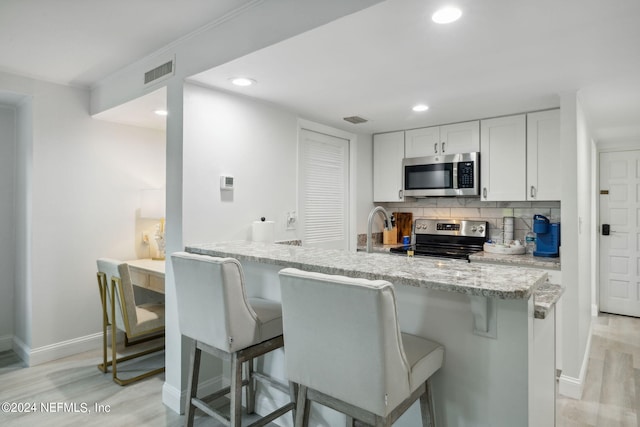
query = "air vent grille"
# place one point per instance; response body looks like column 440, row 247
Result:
column 160, row 71
column 355, row 120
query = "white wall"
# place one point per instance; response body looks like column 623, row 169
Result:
column 77, row 199
column 7, row 223
column 256, row 144
column 23, row 291
column 577, row 227
column 586, row 226
column 364, row 181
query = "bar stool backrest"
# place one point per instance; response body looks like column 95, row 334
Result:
column 124, row 297
column 342, row 338
column 212, row 301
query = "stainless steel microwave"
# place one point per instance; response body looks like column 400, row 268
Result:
column 447, row 175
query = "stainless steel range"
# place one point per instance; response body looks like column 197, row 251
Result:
column 447, row 238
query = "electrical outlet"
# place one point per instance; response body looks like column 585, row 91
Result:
column 145, row 237
column 291, row 220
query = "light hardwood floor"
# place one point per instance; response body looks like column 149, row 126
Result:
column 611, row 394
column 77, row 380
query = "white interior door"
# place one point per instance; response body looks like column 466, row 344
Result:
column 620, row 250
column 323, row 190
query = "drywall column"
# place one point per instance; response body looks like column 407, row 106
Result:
column 7, row 223
column 23, row 214
column 576, row 245
column 176, row 354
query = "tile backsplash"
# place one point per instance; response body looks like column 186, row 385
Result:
column 473, row 208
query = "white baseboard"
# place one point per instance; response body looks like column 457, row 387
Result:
column 61, row 349
column 6, row 342
column 21, row 349
column 175, row 399
column 573, row 387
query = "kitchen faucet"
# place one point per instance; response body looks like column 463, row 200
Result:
column 388, row 224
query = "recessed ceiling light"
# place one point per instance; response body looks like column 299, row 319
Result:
column 420, row 107
column 242, row 81
column 161, row 112
column 446, row 15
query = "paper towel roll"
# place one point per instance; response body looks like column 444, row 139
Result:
column 263, row 231
column 507, row 228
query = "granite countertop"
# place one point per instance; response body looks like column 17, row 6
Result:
column 544, row 297
column 380, row 248
column 478, row 279
column 526, row 260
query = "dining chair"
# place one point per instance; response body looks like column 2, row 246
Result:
column 139, row 322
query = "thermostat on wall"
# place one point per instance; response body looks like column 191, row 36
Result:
column 226, row 182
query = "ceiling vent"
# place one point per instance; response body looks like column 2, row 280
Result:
column 165, row 70
column 355, row 120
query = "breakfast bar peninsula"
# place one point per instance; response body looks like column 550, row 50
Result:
column 499, row 365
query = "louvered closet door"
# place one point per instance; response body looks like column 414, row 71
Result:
column 323, row 190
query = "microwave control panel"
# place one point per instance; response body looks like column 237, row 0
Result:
column 465, row 175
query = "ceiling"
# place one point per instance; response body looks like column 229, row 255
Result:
column 501, row 57
column 81, row 42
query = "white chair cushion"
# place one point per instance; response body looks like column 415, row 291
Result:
column 425, row 357
column 269, row 317
column 150, row 316
column 141, row 319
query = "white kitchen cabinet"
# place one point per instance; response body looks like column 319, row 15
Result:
column 422, row 142
column 460, row 137
column 388, row 152
column 543, row 155
column 447, row 139
column 503, row 153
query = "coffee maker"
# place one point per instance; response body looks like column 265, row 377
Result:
column 547, row 237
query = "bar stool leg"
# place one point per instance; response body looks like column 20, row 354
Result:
column 293, row 393
column 427, row 407
column 192, row 386
column 236, row 392
column 250, row 391
column 302, row 407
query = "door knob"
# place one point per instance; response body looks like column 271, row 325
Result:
column 606, row 229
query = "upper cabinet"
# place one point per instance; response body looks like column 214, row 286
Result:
column 446, row 139
column 503, row 158
column 388, row 152
column 520, row 157
column 543, row 155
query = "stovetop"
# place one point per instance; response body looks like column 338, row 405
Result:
column 447, row 238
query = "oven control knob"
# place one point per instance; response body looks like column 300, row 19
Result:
column 480, row 229
column 474, row 228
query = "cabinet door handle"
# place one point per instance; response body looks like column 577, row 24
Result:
column 443, row 147
column 435, row 147
column 533, row 192
column 399, row 194
column 484, row 192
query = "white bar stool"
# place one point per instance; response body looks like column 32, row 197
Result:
column 213, row 310
column 345, row 349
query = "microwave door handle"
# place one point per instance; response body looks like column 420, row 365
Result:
column 455, row 175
